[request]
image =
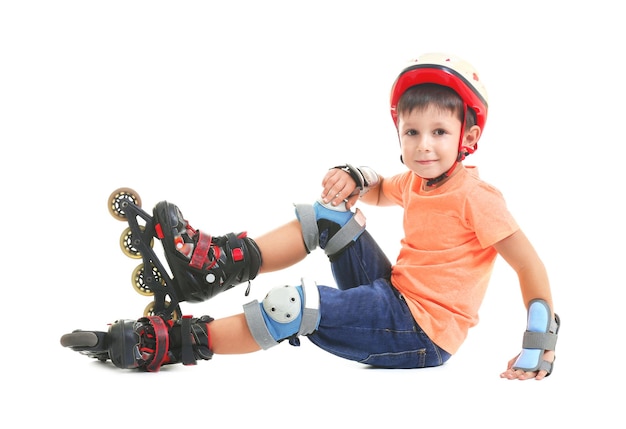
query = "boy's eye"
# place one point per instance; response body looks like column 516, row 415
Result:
column 439, row 132
column 411, row 132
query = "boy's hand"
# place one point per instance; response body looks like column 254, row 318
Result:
column 512, row 374
column 339, row 186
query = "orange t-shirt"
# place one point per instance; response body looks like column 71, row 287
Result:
column 447, row 255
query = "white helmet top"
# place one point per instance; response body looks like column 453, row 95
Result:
column 445, row 70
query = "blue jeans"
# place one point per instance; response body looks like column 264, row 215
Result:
column 365, row 318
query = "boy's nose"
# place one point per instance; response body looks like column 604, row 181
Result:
column 423, row 144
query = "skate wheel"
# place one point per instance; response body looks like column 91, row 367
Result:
column 142, row 282
column 79, row 339
column 119, row 198
column 149, row 310
column 130, row 245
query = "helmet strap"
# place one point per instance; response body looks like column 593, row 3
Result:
column 435, row 180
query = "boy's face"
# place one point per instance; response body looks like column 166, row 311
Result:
column 429, row 140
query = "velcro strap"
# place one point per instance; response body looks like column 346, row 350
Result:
column 349, row 232
column 308, row 223
column 310, row 312
column 539, row 340
column 161, row 336
column 546, row 366
column 200, row 253
column 186, row 344
column 257, row 326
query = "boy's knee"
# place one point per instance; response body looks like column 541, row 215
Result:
column 332, row 228
column 285, row 312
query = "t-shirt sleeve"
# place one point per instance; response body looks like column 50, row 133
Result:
column 489, row 215
column 395, row 186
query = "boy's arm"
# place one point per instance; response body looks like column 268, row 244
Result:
column 519, row 253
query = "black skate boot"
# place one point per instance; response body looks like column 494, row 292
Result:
column 146, row 344
column 203, row 266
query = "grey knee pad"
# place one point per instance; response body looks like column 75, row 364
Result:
column 285, row 312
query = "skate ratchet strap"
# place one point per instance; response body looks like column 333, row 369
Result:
column 161, row 337
column 201, row 252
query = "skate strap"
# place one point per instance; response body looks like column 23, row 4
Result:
column 161, row 336
column 187, row 356
column 201, row 252
column 195, row 341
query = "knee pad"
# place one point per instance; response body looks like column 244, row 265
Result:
column 285, row 312
column 334, row 228
column 541, row 335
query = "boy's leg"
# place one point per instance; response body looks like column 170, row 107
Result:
column 231, row 335
column 373, row 325
column 281, row 247
column 151, row 342
column 360, row 264
column 204, row 266
column 356, row 259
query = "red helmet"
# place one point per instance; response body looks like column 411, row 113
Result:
column 445, row 70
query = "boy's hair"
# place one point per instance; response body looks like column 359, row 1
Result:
column 421, row 96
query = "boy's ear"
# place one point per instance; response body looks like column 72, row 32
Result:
column 470, row 142
column 472, row 136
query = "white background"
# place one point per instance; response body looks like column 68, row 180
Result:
column 234, row 111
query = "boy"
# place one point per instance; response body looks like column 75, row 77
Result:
column 414, row 313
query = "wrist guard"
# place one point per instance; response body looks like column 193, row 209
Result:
column 541, row 335
column 365, row 177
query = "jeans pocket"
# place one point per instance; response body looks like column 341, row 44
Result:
column 406, row 359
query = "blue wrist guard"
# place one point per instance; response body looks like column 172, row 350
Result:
column 541, row 335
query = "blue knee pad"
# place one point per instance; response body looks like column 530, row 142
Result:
column 351, row 225
column 286, row 312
